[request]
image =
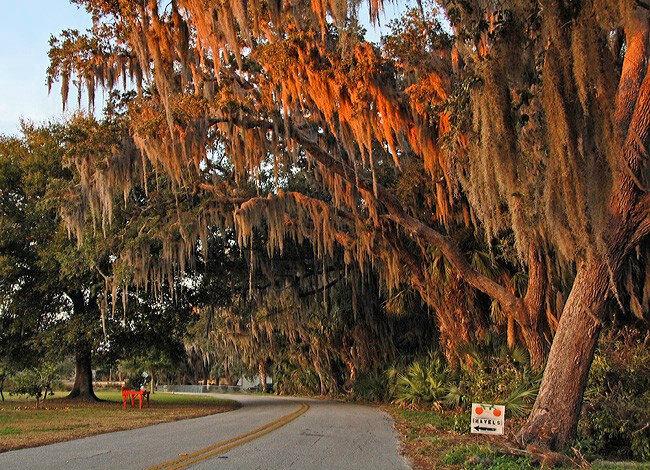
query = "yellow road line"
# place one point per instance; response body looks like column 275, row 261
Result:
column 225, row 446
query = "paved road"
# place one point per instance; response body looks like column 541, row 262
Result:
column 325, row 434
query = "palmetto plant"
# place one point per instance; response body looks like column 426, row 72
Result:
column 423, row 381
column 521, row 399
column 499, row 375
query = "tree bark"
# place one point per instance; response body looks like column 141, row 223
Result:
column 510, row 332
column 83, row 381
column 633, row 70
column 152, row 385
column 535, row 346
column 532, row 307
column 353, row 371
column 554, row 419
column 262, row 369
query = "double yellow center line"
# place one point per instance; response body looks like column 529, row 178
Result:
column 222, row 447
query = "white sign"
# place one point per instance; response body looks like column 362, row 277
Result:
column 487, row 419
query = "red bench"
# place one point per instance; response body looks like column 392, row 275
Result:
column 127, row 394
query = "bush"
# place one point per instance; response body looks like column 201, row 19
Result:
column 36, row 382
column 614, row 419
column 423, row 381
column 371, row 387
column 290, row 379
column 496, row 375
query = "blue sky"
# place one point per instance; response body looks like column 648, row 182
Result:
column 25, row 28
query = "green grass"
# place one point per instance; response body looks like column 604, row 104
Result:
column 5, row 419
column 60, row 419
column 445, row 421
column 460, row 454
column 9, row 430
column 482, row 457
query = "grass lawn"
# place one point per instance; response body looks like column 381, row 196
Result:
column 59, row 419
column 433, row 439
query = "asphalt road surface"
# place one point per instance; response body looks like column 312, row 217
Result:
column 265, row 433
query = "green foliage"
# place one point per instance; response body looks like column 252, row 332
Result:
column 290, row 379
column 497, row 375
column 501, row 375
column 422, row 382
column 135, row 370
column 35, row 382
column 460, row 454
column 615, row 414
column 371, row 386
column 521, row 399
column 441, row 420
column 135, row 381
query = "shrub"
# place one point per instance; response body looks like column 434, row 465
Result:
column 614, row 417
column 426, row 381
column 36, row 382
column 497, row 375
column 290, row 379
column 370, row 386
column 135, row 381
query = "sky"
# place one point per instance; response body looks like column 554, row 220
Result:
column 25, row 29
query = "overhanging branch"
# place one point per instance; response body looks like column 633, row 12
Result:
column 413, row 226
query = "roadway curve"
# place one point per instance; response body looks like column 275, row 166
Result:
column 265, row 433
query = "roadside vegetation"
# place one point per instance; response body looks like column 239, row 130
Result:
column 431, row 406
column 61, row 419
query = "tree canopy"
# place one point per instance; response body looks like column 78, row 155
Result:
column 514, row 140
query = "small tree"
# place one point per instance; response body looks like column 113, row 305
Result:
column 36, row 382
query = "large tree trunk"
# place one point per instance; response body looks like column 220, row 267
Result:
column 554, row 419
column 83, row 380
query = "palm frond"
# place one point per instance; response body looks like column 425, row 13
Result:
column 520, row 401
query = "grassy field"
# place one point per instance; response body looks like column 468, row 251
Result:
column 21, row 425
column 441, row 440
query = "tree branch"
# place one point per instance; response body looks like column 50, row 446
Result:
column 396, row 213
column 413, row 226
column 633, row 71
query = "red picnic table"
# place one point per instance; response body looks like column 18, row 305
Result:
column 132, row 394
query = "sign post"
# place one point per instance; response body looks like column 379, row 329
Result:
column 487, row 419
